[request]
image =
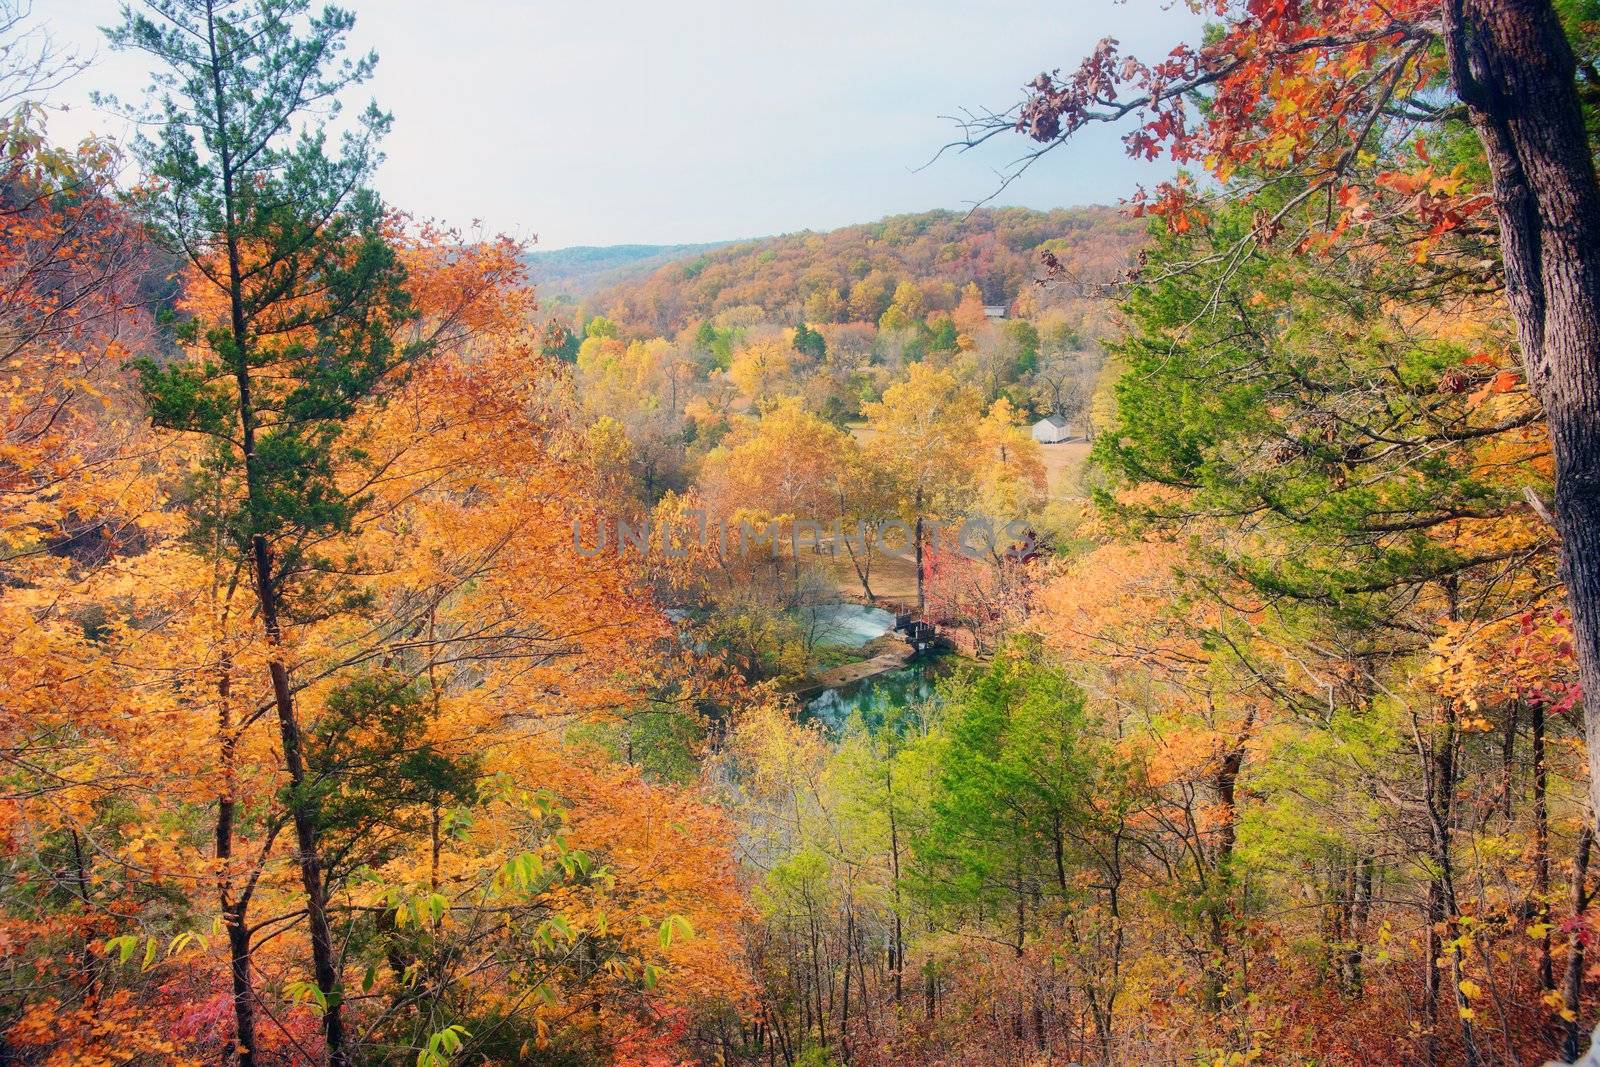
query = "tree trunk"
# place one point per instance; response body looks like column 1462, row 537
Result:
column 1572, row 986
column 1513, row 67
column 1357, row 906
column 1541, row 849
column 234, row 912
column 1508, row 750
column 844, row 1000
column 244, row 1008
column 897, row 950
column 861, row 973
column 1430, row 975
column 1219, row 911
column 1442, row 910
column 862, row 565
column 323, row 968
column 1440, row 779
column 922, row 594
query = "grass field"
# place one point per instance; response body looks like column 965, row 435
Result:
column 1062, row 463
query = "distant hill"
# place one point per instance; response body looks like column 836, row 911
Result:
column 576, row 272
column 850, row 274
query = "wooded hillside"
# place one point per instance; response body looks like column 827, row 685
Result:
column 850, row 274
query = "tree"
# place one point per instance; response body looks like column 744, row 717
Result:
column 1375, row 539
column 870, row 296
column 786, row 467
column 1012, row 782
column 1063, row 384
column 1513, row 67
column 944, row 334
column 810, row 343
column 924, row 431
column 969, row 317
column 1371, row 72
column 559, row 342
column 299, row 307
column 1024, row 338
column 758, row 367
column 906, row 311
column 825, row 306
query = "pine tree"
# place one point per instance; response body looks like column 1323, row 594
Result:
column 296, row 317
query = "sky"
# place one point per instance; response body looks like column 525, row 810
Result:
column 593, row 122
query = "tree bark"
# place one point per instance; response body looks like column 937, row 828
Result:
column 897, row 948
column 1358, row 890
column 1512, row 66
column 922, row 594
column 234, row 911
column 844, row 1001
column 1441, row 770
column 1572, row 984
column 1541, row 848
column 1508, row 750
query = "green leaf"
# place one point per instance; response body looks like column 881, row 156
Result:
column 307, row 993
column 123, row 945
column 675, row 927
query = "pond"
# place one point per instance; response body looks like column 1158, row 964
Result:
column 877, row 698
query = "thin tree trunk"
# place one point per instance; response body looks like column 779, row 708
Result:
column 1430, row 976
column 785, row 1046
column 1572, row 985
column 922, row 595
column 861, row 972
column 816, row 974
column 1441, row 889
column 1508, row 748
column 1541, row 848
column 897, row 949
column 234, row 912
column 844, row 1002
column 324, row 970
column 862, row 563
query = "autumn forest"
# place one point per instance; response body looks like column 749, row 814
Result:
column 1131, row 634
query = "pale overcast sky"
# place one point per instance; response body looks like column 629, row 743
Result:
column 586, row 122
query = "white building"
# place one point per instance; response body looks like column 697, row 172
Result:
column 1050, row 430
column 994, row 311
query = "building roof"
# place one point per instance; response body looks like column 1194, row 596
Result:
column 1054, row 420
column 995, row 311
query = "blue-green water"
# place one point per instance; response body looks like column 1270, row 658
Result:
column 878, row 699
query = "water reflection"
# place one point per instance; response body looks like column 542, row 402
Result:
column 877, row 697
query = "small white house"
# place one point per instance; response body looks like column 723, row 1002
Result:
column 994, row 311
column 1052, row 429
